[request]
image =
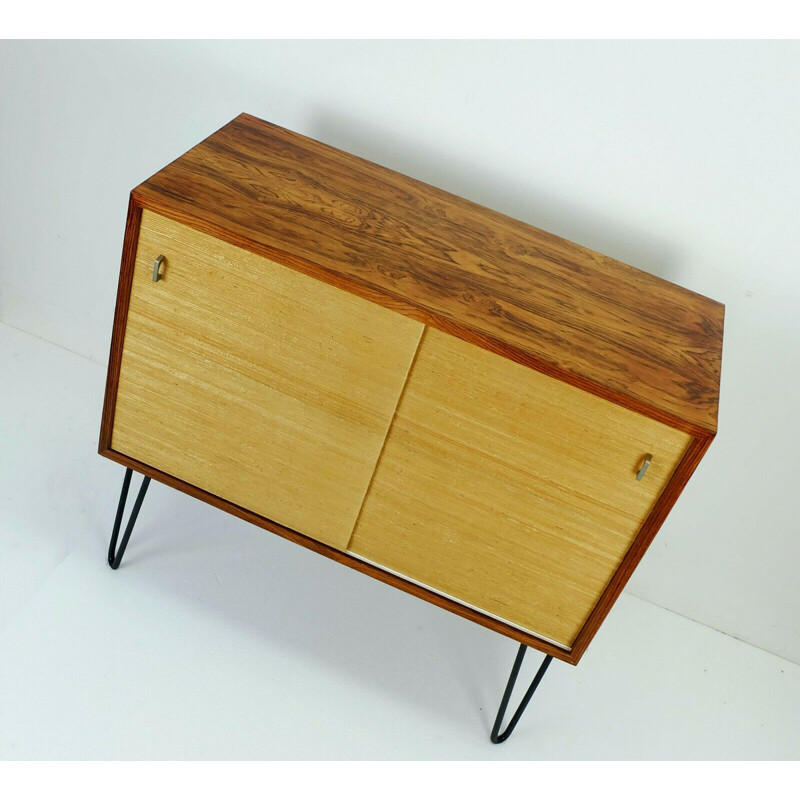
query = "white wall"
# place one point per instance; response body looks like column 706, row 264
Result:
column 679, row 158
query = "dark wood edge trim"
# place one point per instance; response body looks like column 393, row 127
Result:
column 344, row 558
column 691, row 458
column 129, row 247
column 427, row 317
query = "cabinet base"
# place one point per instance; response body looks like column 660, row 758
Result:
column 115, row 559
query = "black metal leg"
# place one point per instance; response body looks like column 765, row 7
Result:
column 114, row 555
column 496, row 736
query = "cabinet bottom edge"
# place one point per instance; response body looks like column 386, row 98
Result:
column 453, row 598
column 397, row 580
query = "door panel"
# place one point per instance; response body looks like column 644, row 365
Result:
column 257, row 383
column 510, row 490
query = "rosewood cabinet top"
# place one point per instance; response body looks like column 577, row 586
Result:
column 529, row 295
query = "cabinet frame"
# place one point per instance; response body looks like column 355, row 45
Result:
column 701, row 440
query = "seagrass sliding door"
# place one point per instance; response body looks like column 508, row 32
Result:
column 510, row 490
column 458, row 404
column 257, row 383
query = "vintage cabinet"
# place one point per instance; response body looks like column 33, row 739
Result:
column 470, row 409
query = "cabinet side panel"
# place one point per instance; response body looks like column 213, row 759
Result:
column 256, row 383
column 510, row 490
column 129, row 245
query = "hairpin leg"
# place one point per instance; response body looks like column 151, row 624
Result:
column 496, row 736
column 114, row 558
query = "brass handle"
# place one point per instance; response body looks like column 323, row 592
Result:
column 159, row 261
column 647, row 459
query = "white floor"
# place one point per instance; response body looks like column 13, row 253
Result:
column 216, row 640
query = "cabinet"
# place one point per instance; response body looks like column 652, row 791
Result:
column 463, row 406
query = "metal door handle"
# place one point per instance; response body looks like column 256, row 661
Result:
column 647, row 459
column 159, row 261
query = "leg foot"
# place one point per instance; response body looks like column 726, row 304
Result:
column 496, row 736
column 114, row 554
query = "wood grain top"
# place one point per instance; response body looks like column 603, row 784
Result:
column 502, row 284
